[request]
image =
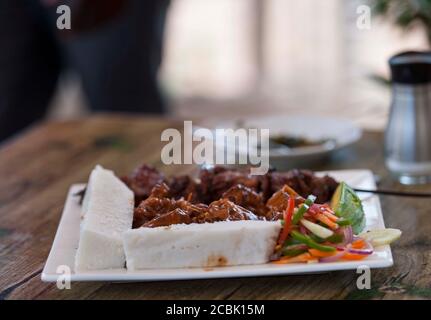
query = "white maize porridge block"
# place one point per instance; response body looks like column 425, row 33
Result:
column 107, row 212
column 225, row 243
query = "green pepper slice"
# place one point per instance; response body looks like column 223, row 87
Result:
column 335, row 238
column 293, row 252
column 303, row 209
column 316, row 238
column 310, row 242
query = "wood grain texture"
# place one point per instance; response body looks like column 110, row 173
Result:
column 37, row 168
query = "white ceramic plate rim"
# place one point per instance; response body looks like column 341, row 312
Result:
column 67, row 236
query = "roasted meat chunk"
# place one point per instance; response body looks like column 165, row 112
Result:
column 160, row 203
column 221, row 194
column 185, row 187
column 161, row 210
column 176, row 216
column 216, row 181
column 142, row 181
column 145, row 178
column 247, row 198
column 305, row 183
column 225, row 210
column 278, row 201
column 157, row 203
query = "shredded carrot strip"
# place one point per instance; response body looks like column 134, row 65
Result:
column 330, row 216
column 353, row 256
column 303, row 257
column 321, row 254
column 327, row 221
column 358, row 244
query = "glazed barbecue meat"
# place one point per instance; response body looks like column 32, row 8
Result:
column 248, row 199
column 185, row 187
column 145, row 178
column 142, row 181
column 175, row 216
column 225, row 210
column 216, row 181
column 277, row 204
column 222, row 194
column 305, row 183
column 158, row 203
column 159, row 209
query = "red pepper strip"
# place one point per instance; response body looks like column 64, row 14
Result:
column 287, row 220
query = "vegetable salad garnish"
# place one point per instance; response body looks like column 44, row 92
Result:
column 327, row 233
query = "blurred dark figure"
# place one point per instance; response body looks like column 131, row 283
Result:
column 113, row 45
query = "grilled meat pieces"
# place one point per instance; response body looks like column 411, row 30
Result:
column 160, row 210
column 142, row 180
column 216, row 181
column 247, row 198
column 305, row 183
column 221, row 194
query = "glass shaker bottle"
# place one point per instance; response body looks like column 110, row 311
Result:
column 408, row 133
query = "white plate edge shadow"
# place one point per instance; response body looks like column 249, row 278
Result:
column 65, row 237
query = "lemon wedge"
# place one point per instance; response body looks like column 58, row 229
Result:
column 381, row 237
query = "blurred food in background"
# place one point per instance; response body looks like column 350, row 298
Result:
column 324, row 136
column 290, row 141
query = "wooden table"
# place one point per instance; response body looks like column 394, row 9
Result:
column 37, row 168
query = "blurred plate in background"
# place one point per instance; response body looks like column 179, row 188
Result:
column 309, row 139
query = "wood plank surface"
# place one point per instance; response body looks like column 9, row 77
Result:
column 37, row 168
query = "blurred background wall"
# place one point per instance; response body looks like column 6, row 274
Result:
column 225, row 58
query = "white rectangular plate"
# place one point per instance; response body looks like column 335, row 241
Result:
column 67, row 236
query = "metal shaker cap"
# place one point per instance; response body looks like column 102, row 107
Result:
column 411, row 67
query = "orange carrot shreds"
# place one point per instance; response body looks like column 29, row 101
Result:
column 327, row 211
column 303, row 257
column 358, row 244
column 321, row 254
column 322, row 218
column 330, row 216
column 353, row 256
column 326, row 207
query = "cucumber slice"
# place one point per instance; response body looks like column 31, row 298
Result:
column 381, row 237
column 318, row 230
